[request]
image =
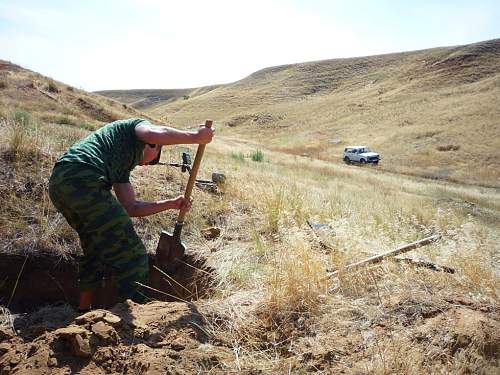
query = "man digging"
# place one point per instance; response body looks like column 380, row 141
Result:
column 80, row 188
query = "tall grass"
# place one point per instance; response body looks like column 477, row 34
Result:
column 296, row 278
column 22, row 133
column 257, row 155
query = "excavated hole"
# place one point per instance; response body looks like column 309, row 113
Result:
column 30, row 282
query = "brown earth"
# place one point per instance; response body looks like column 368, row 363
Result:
column 156, row 338
column 171, row 338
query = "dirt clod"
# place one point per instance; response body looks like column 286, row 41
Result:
column 78, row 340
column 135, row 338
column 211, row 233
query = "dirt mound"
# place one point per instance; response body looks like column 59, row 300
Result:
column 158, row 337
column 461, row 329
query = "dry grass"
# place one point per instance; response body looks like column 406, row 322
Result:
column 288, row 313
column 273, row 306
column 28, row 220
column 431, row 113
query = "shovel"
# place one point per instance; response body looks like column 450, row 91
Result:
column 170, row 249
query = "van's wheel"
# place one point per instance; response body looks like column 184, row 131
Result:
column 375, row 163
column 362, row 161
column 347, row 161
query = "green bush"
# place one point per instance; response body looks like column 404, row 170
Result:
column 185, row 97
column 87, row 126
column 257, row 155
column 66, row 120
column 22, row 136
column 238, row 156
column 22, row 118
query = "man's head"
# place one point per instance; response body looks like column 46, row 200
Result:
column 152, row 154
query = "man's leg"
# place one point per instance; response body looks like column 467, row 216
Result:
column 72, row 189
column 122, row 249
column 90, row 271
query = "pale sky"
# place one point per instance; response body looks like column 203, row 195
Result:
column 126, row 44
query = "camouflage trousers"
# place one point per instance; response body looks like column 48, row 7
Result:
column 106, row 232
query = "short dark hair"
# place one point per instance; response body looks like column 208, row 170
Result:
column 157, row 159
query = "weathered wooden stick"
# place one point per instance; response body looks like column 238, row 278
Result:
column 389, row 254
column 46, row 94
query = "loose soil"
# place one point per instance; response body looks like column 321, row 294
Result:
column 155, row 338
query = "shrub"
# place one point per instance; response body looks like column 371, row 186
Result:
column 238, row 156
column 448, row 148
column 86, row 126
column 22, row 117
column 65, row 120
column 22, row 135
column 52, row 87
column 257, row 155
column 3, row 84
column 185, row 97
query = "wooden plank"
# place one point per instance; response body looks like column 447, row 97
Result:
column 378, row 258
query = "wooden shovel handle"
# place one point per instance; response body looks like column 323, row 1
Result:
column 192, row 175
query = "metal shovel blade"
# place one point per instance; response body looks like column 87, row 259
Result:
column 169, row 251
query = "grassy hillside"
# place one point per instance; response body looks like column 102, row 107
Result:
column 145, row 98
column 431, row 113
column 53, row 102
column 148, row 98
column 272, row 307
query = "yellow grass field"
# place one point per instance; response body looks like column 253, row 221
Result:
column 431, row 113
column 287, row 221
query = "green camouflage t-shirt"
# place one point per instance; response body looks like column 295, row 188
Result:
column 113, row 150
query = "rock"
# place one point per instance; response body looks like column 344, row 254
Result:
column 92, row 317
column 105, row 332
column 52, row 362
column 112, row 319
column 211, row 233
column 209, row 187
column 4, row 348
column 219, row 178
column 77, row 337
column 89, row 317
column 6, row 333
column 70, row 331
column 81, row 347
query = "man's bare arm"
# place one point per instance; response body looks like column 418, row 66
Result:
column 126, row 195
column 164, row 135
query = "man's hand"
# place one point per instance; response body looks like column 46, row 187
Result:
column 181, row 203
column 126, row 195
column 204, row 135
